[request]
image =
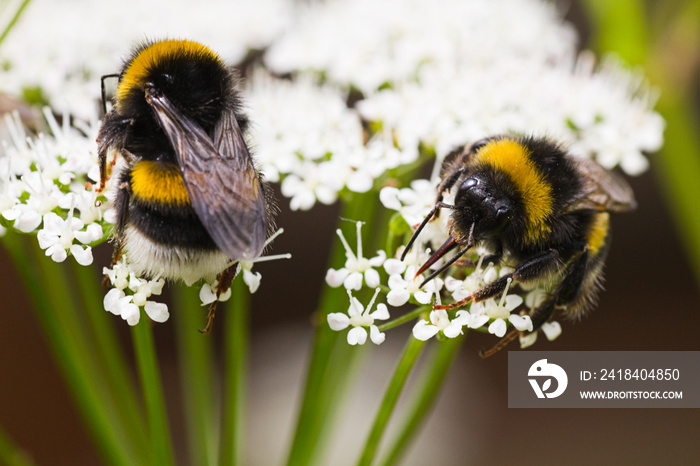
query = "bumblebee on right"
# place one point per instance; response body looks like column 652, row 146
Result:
column 536, row 209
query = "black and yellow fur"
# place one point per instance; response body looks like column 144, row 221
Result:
column 189, row 201
column 536, row 209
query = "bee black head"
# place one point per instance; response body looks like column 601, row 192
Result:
column 190, row 75
column 482, row 209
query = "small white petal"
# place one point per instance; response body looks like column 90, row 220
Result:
column 158, row 312
column 423, row 330
column 378, row 260
column 83, row 256
column 551, row 330
column 477, row 321
column 57, row 253
column 513, row 301
column 389, row 196
column 398, row 297
column 528, row 339
column 372, row 278
column 357, row 336
column 376, row 336
column 498, row 327
column 423, row 297
column 353, row 281
column 111, row 300
column 130, row 312
column 224, row 296
column 335, row 278
column 462, row 318
column 338, row 321
column 252, row 279
column 207, row 294
column 382, row 312
column 92, row 233
column 453, row 330
column 28, row 221
column 394, row 266
column 522, row 323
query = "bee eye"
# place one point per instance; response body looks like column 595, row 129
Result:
column 470, row 183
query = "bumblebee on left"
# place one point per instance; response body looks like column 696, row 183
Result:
column 189, row 200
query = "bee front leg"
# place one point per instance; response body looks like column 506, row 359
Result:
column 529, row 270
column 224, row 283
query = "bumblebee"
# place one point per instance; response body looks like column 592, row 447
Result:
column 536, row 209
column 190, row 202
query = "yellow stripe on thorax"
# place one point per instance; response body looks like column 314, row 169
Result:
column 159, row 182
column 514, row 159
column 598, row 233
column 137, row 72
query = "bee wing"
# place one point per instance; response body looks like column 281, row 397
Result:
column 602, row 189
column 224, row 188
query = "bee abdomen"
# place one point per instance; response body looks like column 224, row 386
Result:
column 160, row 207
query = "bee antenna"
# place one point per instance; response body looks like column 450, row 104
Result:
column 425, row 221
column 447, row 264
column 417, row 232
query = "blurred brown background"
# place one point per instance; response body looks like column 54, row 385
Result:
column 651, row 302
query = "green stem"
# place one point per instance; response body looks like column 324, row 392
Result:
column 236, row 329
column 47, row 285
column 13, row 20
column 408, row 317
column 110, row 356
column 391, row 396
column 331, row 357
column 437, row 369
column 147, row 362
column 10, row 453
column 196, row 360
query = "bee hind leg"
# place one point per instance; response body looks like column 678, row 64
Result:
column 223, row 284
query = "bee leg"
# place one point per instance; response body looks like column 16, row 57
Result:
column 565, row 293
column 224, row 283
column 121, row 205
column 512, row 335
column 524, row 272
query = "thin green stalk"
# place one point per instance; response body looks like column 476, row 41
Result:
column 147, row 362
column 47, row 286
column 10, row 453
column 196, row 356
column 386, row 408
column 328, row 353
column 13, row 20
column 110, row 356
column 237, row 330
column 408, row 317
column 437, row 368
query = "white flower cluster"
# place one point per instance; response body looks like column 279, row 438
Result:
column 429, row 76
column 128, row 306
column 69, row 54
column 306, row 137
column 45, row 187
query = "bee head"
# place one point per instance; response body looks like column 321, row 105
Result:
column 191, row 76
column 482, row 210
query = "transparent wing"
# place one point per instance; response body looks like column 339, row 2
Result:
column 224, row 188
column 602, row 189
